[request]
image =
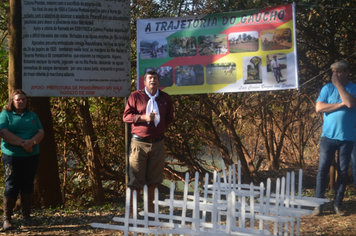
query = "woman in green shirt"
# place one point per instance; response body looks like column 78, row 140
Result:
column 21, row 131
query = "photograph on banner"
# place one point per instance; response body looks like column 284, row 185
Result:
column 276, row 39
column 221, row 73
column 252, row 50
column 253, row 70
column 189, row 75
column 153, row 49
column 243, row 42
column 212, row 44
column 165, row 75
column 277, row 67
column 182, row 47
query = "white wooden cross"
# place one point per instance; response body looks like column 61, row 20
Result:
column 221, row 208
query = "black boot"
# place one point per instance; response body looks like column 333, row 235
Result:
column 8, row 206
column 26, row 210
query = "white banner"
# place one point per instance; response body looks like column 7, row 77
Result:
column 76, row 48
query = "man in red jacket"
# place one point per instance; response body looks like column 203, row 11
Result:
column 150, row 111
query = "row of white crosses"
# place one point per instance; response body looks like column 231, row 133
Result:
column 233, row 208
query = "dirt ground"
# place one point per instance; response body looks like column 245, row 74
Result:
column 78, row 222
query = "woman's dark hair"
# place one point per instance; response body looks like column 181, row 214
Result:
column 10, row 104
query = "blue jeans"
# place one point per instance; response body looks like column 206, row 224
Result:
column 353, row 163
column 327, row 149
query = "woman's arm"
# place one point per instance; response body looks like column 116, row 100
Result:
column 11, row 138
column 38, row 137
column 27, row 144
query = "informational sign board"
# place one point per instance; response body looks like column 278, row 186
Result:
column 76, row 48
column 252, row 50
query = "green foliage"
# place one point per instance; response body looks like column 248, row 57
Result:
column 4, row 57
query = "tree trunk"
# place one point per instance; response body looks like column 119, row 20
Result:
column 15, row 46
column 46, row 185
column 248, row 169
column 47, row 190
column 93, row 152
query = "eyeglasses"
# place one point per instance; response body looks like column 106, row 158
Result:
column 20, row 99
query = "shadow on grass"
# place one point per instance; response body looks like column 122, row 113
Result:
column 61, row 223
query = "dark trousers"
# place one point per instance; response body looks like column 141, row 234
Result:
column 353, row 163
column 19, row 174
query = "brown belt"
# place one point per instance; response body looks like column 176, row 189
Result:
column 146, row 140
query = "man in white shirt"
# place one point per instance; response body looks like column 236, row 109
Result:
column 275, row 66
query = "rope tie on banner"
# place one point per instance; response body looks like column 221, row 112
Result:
column 328, row 7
